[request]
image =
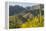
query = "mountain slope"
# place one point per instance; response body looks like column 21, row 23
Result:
column 13, row 10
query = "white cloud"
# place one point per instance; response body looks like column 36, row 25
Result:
column 21, row 4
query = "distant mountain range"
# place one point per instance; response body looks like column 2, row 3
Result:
column 19, row 10
column 13, row 10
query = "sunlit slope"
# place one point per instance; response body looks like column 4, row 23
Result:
column 35, row 22
column 15, row 22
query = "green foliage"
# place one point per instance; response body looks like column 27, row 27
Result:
column 15, row 22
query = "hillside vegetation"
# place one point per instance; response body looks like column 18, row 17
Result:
column 15, row 22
